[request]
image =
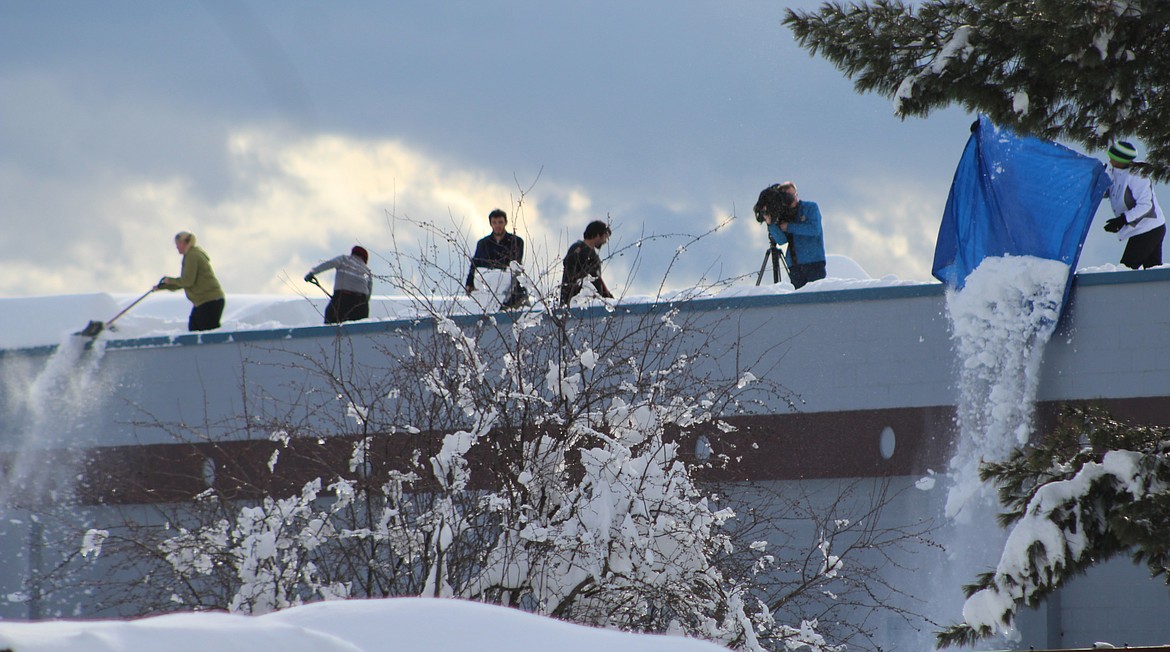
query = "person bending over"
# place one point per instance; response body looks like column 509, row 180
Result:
column 799, row 224
column 582, row 262
column 353, row 283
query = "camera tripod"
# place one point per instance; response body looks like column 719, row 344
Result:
column 777, row 262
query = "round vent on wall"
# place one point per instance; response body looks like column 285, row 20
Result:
column 887, row 443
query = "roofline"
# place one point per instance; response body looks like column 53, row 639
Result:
column 845, row 295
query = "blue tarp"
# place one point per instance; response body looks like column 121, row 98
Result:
column 1016, row 196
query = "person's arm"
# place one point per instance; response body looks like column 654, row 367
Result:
column 575, row 262
column 574, row 269
column 808, row 223
column 469, row 284
column 592, row 267
column 519, row 250
column 170, row 282
column 602, row 289
column 777, row 233
column 477, row 260
column 332, row 263
column 567, row 276
column 1142, row 192
column 167, row 283
column 186, row 278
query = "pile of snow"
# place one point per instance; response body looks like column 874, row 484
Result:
column 395, row 624
column 46, row 321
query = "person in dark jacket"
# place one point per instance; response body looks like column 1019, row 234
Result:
column 496, row 250
column 798, row 224
column 353, row 283
column 198, row 282
column 582, row 262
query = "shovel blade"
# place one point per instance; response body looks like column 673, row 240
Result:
column 91, row 329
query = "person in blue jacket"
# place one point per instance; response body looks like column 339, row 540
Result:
column 798, row 223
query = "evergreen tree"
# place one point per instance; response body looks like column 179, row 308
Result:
column 1083, row 71
column 1094, row 489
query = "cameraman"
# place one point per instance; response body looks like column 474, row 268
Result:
column 799, row 224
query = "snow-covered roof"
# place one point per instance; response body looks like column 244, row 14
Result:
column 37, row 321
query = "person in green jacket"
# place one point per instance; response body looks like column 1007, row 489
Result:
column 198, row 282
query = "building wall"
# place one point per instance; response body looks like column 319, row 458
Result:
column 863, row 386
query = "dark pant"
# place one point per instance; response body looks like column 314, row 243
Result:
column 1144, row 250
column 517, row 296
column 806, row 273
column 347, row 306
column 205, row 316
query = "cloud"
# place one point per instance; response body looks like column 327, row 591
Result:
column 295, row 200
column 887, row 225
column 308, row 198
column 285, row 200
column 282, row 201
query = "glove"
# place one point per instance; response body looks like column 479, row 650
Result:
column 162, row 282
column 1114, row 225
column 309, row 278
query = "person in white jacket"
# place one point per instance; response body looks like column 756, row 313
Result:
column 1139, row 218
column 353, row 283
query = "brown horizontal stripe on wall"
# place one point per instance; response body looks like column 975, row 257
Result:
column 777, row 447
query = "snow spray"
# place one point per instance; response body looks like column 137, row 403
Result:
column 49, row 405
column 1001, row 321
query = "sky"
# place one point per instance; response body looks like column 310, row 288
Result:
column 399, row 624
column 282, row 134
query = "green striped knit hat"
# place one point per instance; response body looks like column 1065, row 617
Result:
column 1122, row 152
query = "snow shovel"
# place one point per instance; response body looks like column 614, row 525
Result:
column 314, row 281
column 94, row 327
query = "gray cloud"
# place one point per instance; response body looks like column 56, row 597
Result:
column 122, row 119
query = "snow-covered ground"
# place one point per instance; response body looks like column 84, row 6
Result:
column 395, row 624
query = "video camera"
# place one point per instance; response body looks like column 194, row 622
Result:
column 780, row 204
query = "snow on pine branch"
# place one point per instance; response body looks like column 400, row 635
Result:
column 1056, row 530
column 958, row 46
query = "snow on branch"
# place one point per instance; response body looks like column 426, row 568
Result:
column 1093, row 489
column 1054, row 533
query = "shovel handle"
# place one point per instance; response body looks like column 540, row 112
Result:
column 93, row 328
column 314, row 281
column 136, row 302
